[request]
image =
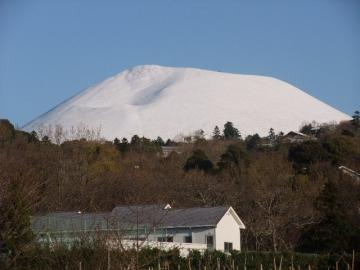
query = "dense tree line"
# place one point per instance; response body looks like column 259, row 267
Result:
column 291, row 196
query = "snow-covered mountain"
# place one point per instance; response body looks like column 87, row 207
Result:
column 154, row 100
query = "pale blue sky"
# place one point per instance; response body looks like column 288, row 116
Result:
column 49, row 50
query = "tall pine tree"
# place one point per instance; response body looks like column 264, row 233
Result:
column 231, row 132
column 216, row 133
column 356, row 119
column 272, row 136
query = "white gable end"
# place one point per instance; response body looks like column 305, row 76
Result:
column 227, row 231
column 237, row 218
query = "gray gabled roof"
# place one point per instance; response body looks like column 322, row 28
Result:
column 69, row 221
column 194, row 217
column 147, row 215
column 128, row 217
column 157, row 216
column 296, row 133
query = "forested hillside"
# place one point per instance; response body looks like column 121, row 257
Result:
column 291, row 196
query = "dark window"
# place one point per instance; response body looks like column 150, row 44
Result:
column 209, row 241
column 228, row 246
column 188, row 239
column 170, row 239
column 166, row 239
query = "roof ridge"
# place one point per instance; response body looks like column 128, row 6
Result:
column 141, row 205
column 200, row 207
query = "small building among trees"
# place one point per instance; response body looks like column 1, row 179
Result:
column 167, row 150
column 200, row 228
column 296, row 137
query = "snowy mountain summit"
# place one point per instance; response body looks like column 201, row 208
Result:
column 161, row 101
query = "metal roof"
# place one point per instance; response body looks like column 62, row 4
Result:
column 157, row 216
column 128, row 217
column 69, row 221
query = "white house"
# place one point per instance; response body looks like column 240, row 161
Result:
column 153, row 225
column 296, row 137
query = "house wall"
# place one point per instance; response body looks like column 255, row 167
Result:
column 179, row 234
column 184, row 248
column 198, row 234
column 227, row 230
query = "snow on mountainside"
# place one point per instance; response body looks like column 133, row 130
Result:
column 153, row 100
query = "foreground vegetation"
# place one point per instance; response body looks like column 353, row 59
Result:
column 85, row 256
column 291, row 196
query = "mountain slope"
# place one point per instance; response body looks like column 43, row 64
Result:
column 152, row 100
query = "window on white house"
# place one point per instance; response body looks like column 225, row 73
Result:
column 165, row 239
column 188, row 239
column 210, row 241
column 169, row 239
column 228, row 246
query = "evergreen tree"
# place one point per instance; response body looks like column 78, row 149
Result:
column 230, row 132
column 216, row 133
column 33, row 137
column 306, row 153
column 272, row 136
column 252, row 141
column 124, row 145
column 7, row 131
column 135, row 140
column 333, row 233
column 159, row 141
column 198, row 161
column 356, row 119
column 233, row 159
column 170, row 143
column 118, row 145
column 116, row 142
